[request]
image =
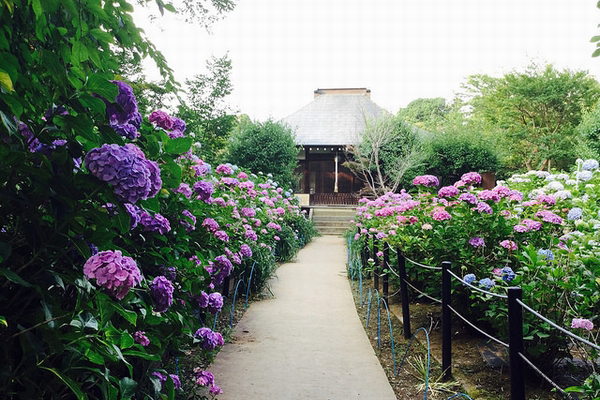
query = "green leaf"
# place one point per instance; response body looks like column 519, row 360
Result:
column 130, row 316
column 5, row 81
column 94, row 357
column 170, row 388
column 178, row 145
column 170, row 7
column 170, row 174
column 69, row 5
column 102, row 35
column 79, row 52
column 9, row 123
column 102, row 86
column 128, row 387
column 596, row 53
column 15, row 105
column 37, row 8
column 141, row 354
column 11, row 276
column 151, row 204
column 93, row 103
column 595, row 39
column 69, row 382
column 126, row 341
column 123, row 221
column 5, row 251
column 3, row 321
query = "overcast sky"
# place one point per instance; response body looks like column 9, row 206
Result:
column 282, row 50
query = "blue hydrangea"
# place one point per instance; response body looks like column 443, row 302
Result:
column 589, row 165
column 486, row 283
column 161, row 290
column 574, row 214
column 508, row 274
column 545, row 254
column 469, row 278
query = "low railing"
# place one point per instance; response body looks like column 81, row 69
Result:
column 334, row 199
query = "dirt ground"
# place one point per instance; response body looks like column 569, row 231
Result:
column 471, row 373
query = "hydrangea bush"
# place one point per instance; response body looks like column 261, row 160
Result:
column 115, row 246
column 538, row 230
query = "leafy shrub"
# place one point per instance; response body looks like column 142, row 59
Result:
column 267, row 147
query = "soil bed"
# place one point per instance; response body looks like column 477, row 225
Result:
column 472, row 374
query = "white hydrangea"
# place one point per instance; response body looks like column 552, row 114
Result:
column 554, row 185
column 551, row 178
column 584, row 175
column 532, row 172
column 562, row 177
column 571, row 182
column 589, row 165
column 589, row 185
column 563, row 194
column 542, row 174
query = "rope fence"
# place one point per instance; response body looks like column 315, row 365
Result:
column 517, row 359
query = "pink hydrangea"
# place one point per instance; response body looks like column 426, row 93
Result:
column 113, row 271
column 509, row 245
column 582, row 323
column 471, row 178
column 224, row 169
column 141, row 338
column 426, row 180
column 549, row 216
column 440, row 214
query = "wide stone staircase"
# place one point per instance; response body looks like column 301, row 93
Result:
column 333, row 220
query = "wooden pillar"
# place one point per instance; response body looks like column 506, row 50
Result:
column 306, row 171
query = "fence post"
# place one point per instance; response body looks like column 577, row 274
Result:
column 386, row 260
column 515, row 341
column 404, row 294
column 446, row 321
column 376, row 271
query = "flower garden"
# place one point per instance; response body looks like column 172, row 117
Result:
column 117, row 245
column 537, row 230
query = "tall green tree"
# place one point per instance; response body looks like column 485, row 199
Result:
column 388, row 148
column 426, row 113
column 205, row 109
column 268, row 147
column 537, row 111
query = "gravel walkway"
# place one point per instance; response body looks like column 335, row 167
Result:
column 305, row 343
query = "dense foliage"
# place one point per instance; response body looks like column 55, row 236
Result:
column 115, row 240
column 268, row 146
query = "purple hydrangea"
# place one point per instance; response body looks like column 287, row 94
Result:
column 184, row 189
column 208, row 339
column 203, row 190
column 210, row 224
column 207, row 379
column 549, row 216
column 135, row 213
column 426, row 180
column 124, row 109
column 245, row 250
column 250, row 234
column 532, row 225
column 176, row 381
column 215, row 302
column 155, row 223
column 489, row 195
column 440, row 214
column 161, row 290
column 448, row 191
column 248, row 212
column 161, row 119
column 222, row 266
column 471, row 178
column 477, row 242
column 575, row 213
column 189, row 226
column 520, row 228
column 273, row 225
column 230, row 181
column 468, row 198
column 483, row 208
column 32, row 141
column 126, row 169
column 141, row 338
column 179, row 125
column 222, row 235
column 113, row 271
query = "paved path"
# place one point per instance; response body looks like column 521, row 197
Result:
column 305, row 343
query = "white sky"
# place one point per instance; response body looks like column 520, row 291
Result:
column 282, row 50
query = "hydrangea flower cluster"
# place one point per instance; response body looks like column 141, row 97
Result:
column 210, row 224
column 175, row 127
column 469, row 278
column 477, row 242
column 448, row 191
column 126, row 169
column 509, row 245
column 203, row 190
column 113, row 271
column 155, row 223
column 245, row 250
column 161, row 290
column 189, row 222
column 471, row 178
column 589, row 165
column 426, row 180
column 582, row 323
column 209, row 339
column 206, row 379
column 221, row 268
column 141, row 338
column 163, row 378
column 486, row 283
column 215, row 302
column 508, row 274
column 545, row 254
column 575, row 213
column 224, row 169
